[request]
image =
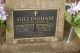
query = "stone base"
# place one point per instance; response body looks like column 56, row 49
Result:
column 55, row 47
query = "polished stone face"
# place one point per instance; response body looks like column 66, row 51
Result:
column 34, row 23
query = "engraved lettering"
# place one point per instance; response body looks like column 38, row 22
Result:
column 34, row 23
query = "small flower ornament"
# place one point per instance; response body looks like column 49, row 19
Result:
column 74, row 8
column 3, row 16
column 72, row 16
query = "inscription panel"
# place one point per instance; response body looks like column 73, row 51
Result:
column 34, row 23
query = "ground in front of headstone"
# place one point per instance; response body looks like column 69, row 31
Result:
column 55, row 47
